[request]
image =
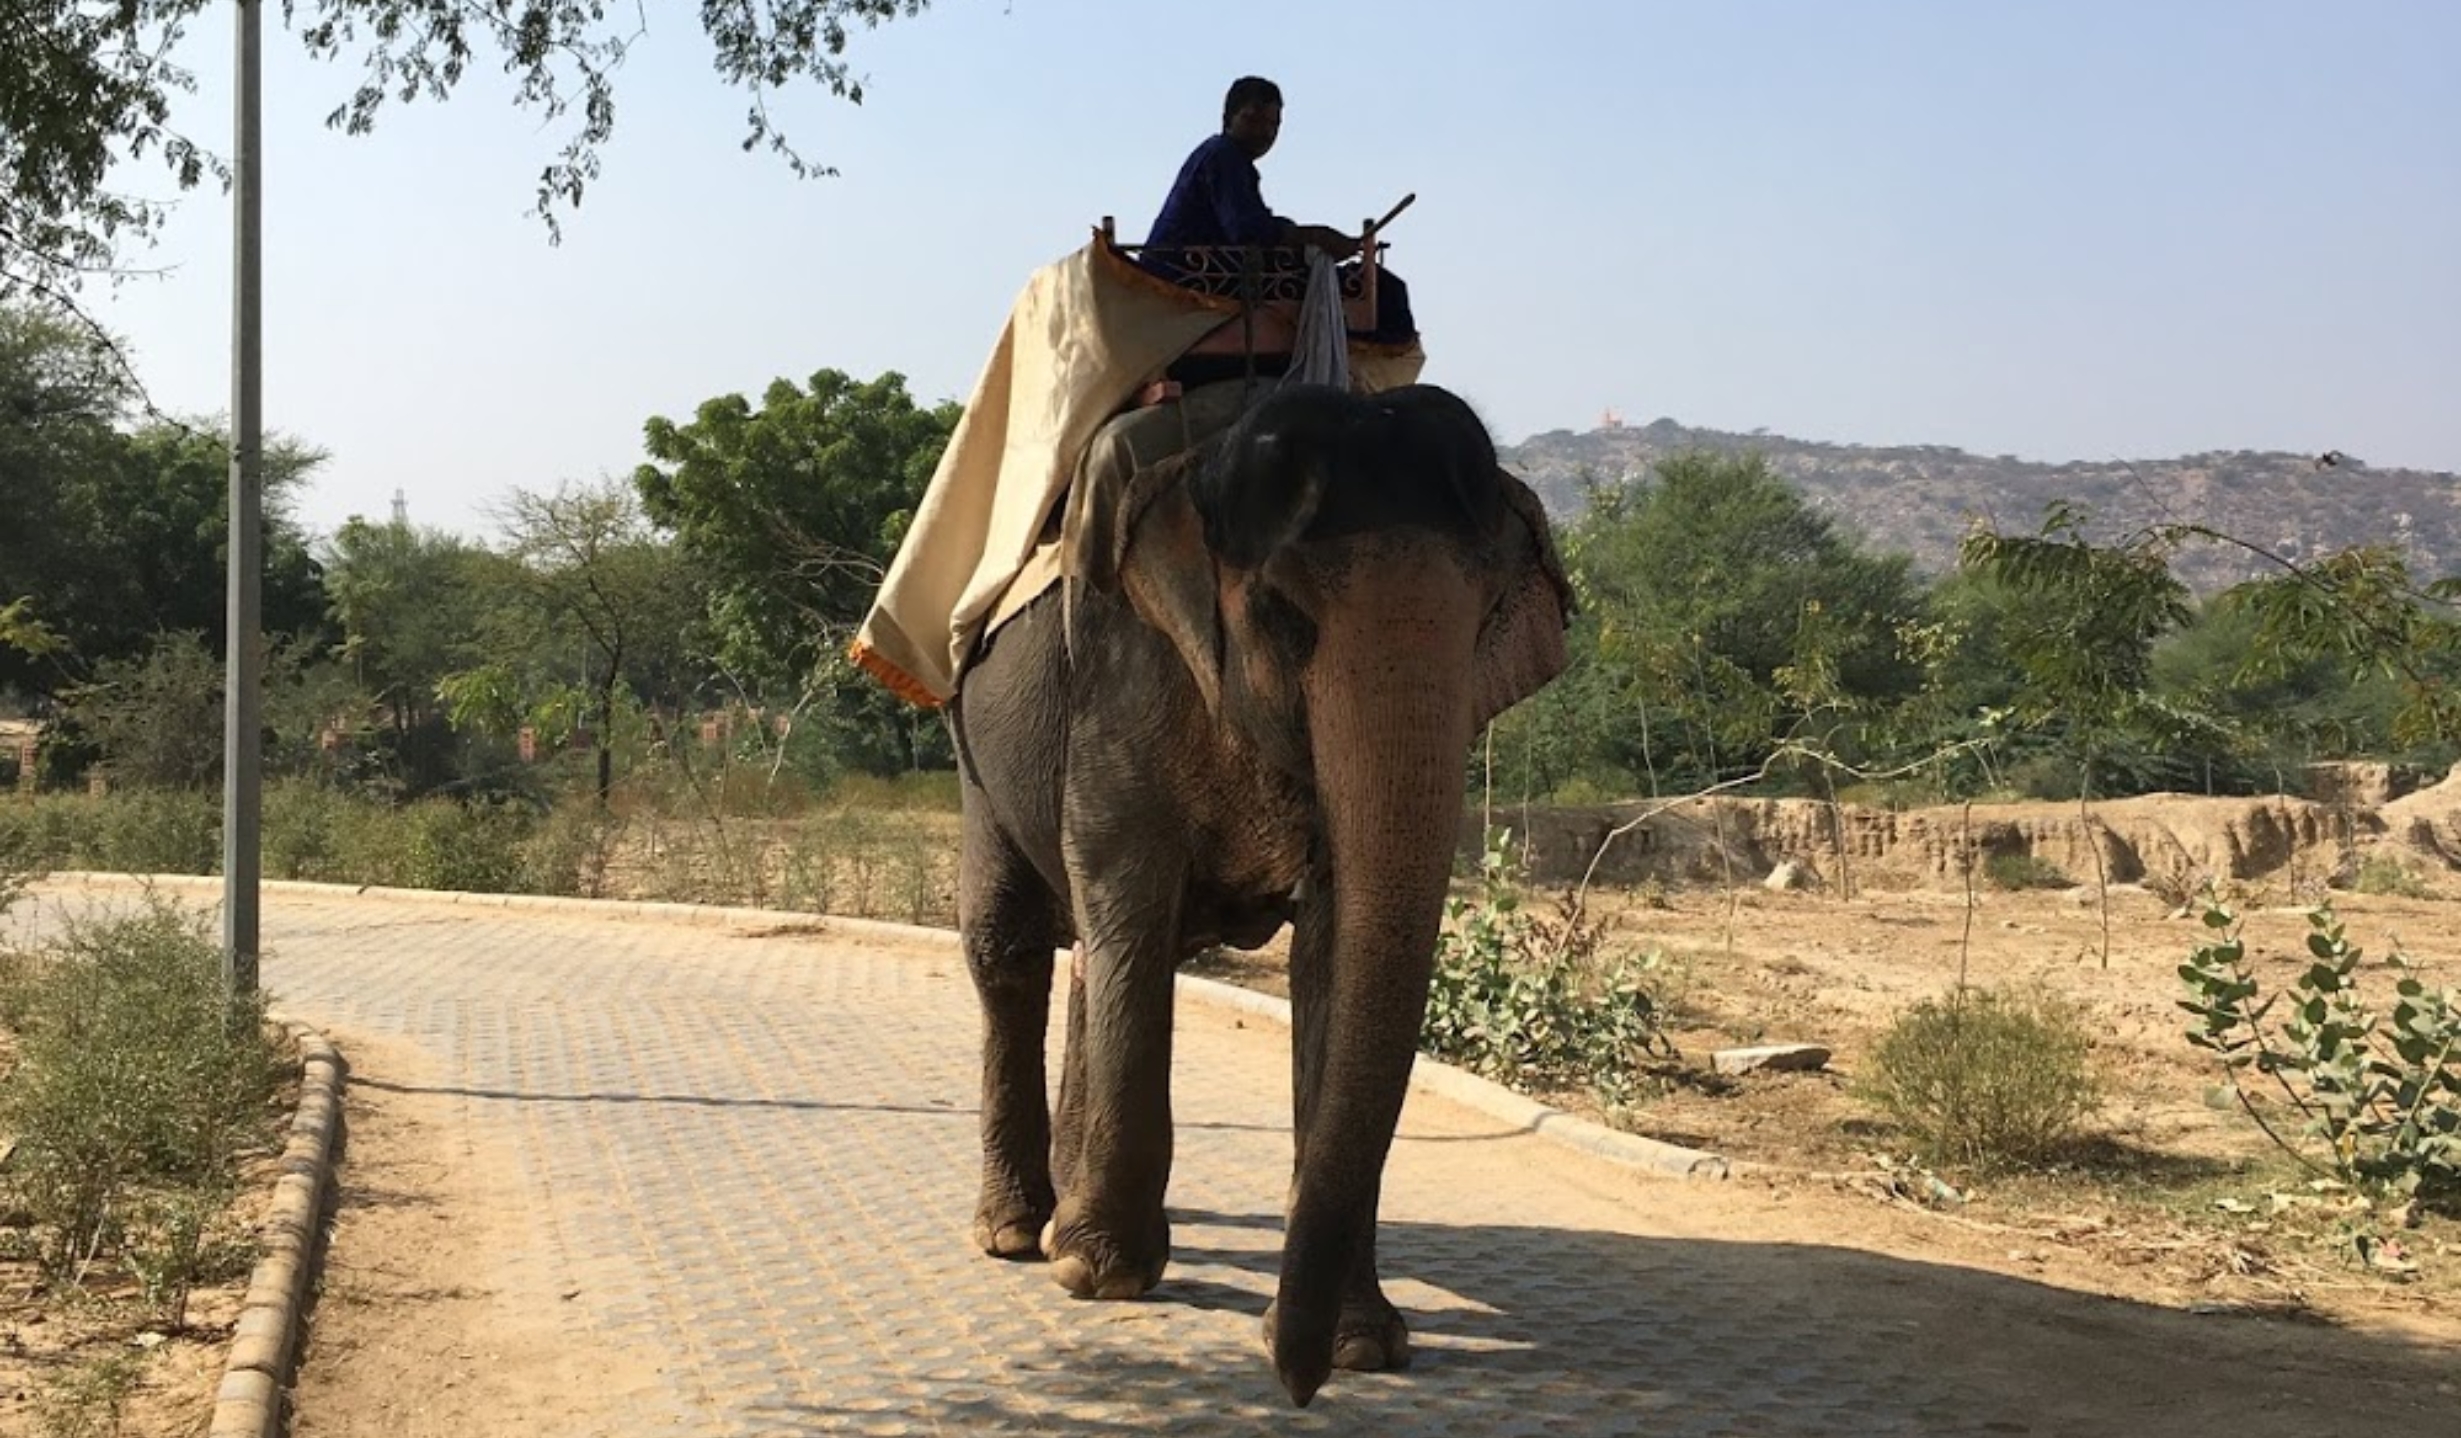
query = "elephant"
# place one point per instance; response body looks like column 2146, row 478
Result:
column 1250, row 704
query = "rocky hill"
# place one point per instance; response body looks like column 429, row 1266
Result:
column 1918, row 499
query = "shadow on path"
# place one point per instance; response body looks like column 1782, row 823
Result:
column 1546, row 1330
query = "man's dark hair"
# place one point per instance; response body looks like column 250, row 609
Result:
column 1249, row 90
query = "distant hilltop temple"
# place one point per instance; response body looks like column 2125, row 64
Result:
column 1610, row 419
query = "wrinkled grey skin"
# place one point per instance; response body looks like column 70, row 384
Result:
column 1282, row 648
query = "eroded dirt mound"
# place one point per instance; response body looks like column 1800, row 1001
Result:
column 2428, row 823
column 2171, row 843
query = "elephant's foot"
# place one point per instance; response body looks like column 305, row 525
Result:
column 1010, row 1225
column 1369, row 1336
column 1094, row 1260
column 1018, row 1238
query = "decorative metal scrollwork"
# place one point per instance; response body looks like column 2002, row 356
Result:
column 1266, row 274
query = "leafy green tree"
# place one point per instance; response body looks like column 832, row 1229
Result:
column 2082, row 633
column 592, row 564
column 156, row 717
column 2362, row 612
column 2274, row 712
column 792, row 511
column 115, row 536
column 794, row 508
column 409, row 603
column 86, row 88
column 1721, row 610
column 59, row 402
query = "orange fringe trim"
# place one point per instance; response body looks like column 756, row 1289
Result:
column 905, row 686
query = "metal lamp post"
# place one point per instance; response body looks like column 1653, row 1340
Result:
column 242, row 728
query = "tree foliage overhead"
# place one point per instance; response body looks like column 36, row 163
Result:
column 83, row 87
column 86, row 85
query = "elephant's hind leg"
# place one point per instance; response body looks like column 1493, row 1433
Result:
column 1010, row 923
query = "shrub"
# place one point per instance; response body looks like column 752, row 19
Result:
column 307, row 832
column 2382, row 1101
column 571, row 850
column 39, row 833
column 469, row 848
column 1985, row 1077
column 21, row 860
column 1526, row 1000
column 155, row 831
column 136, row 1072
column 89, row 1401
column 2023, row 871
column 2387, row 877
column 179, row 1239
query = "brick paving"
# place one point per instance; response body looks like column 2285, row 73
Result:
column 755, row 1154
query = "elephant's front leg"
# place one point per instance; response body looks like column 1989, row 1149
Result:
column 1110, row 1237
column 1370, row 1335
column 1007, row 917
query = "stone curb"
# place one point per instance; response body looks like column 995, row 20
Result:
column 1632, row 1151
column 263, row 1341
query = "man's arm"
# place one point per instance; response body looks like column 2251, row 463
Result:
column 1239, row 206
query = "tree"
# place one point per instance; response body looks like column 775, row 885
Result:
column 792, row 512
column 2082, row 634
column 86, row 88
column 588, row 557
column 415, row 606
column 111, row 536
column 2361, row 610
column 157, row 716
column 1716, row 592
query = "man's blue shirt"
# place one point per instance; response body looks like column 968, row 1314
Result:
column 1218, row 199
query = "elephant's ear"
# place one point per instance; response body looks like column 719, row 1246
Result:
column 1521, row 642
column 1151, row 546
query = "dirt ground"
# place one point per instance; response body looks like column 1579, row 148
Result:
column 2170, row 1196
column 58, row 1356
column 420, row 1329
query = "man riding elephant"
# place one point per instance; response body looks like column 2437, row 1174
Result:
column 1218, row 200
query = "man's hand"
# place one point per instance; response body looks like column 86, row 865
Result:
column 1324, row 237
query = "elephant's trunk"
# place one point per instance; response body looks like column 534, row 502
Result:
column 1389, row 712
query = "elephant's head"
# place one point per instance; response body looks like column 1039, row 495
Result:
column 1355, row 587
column 1250, row 552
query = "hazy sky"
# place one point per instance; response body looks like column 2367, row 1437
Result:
column 2071, row 230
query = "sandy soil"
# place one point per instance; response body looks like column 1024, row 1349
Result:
column 2146, row 1204
column 50, row 1348
column 419, row 1329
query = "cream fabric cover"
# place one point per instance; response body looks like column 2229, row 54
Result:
column 1083, row 337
